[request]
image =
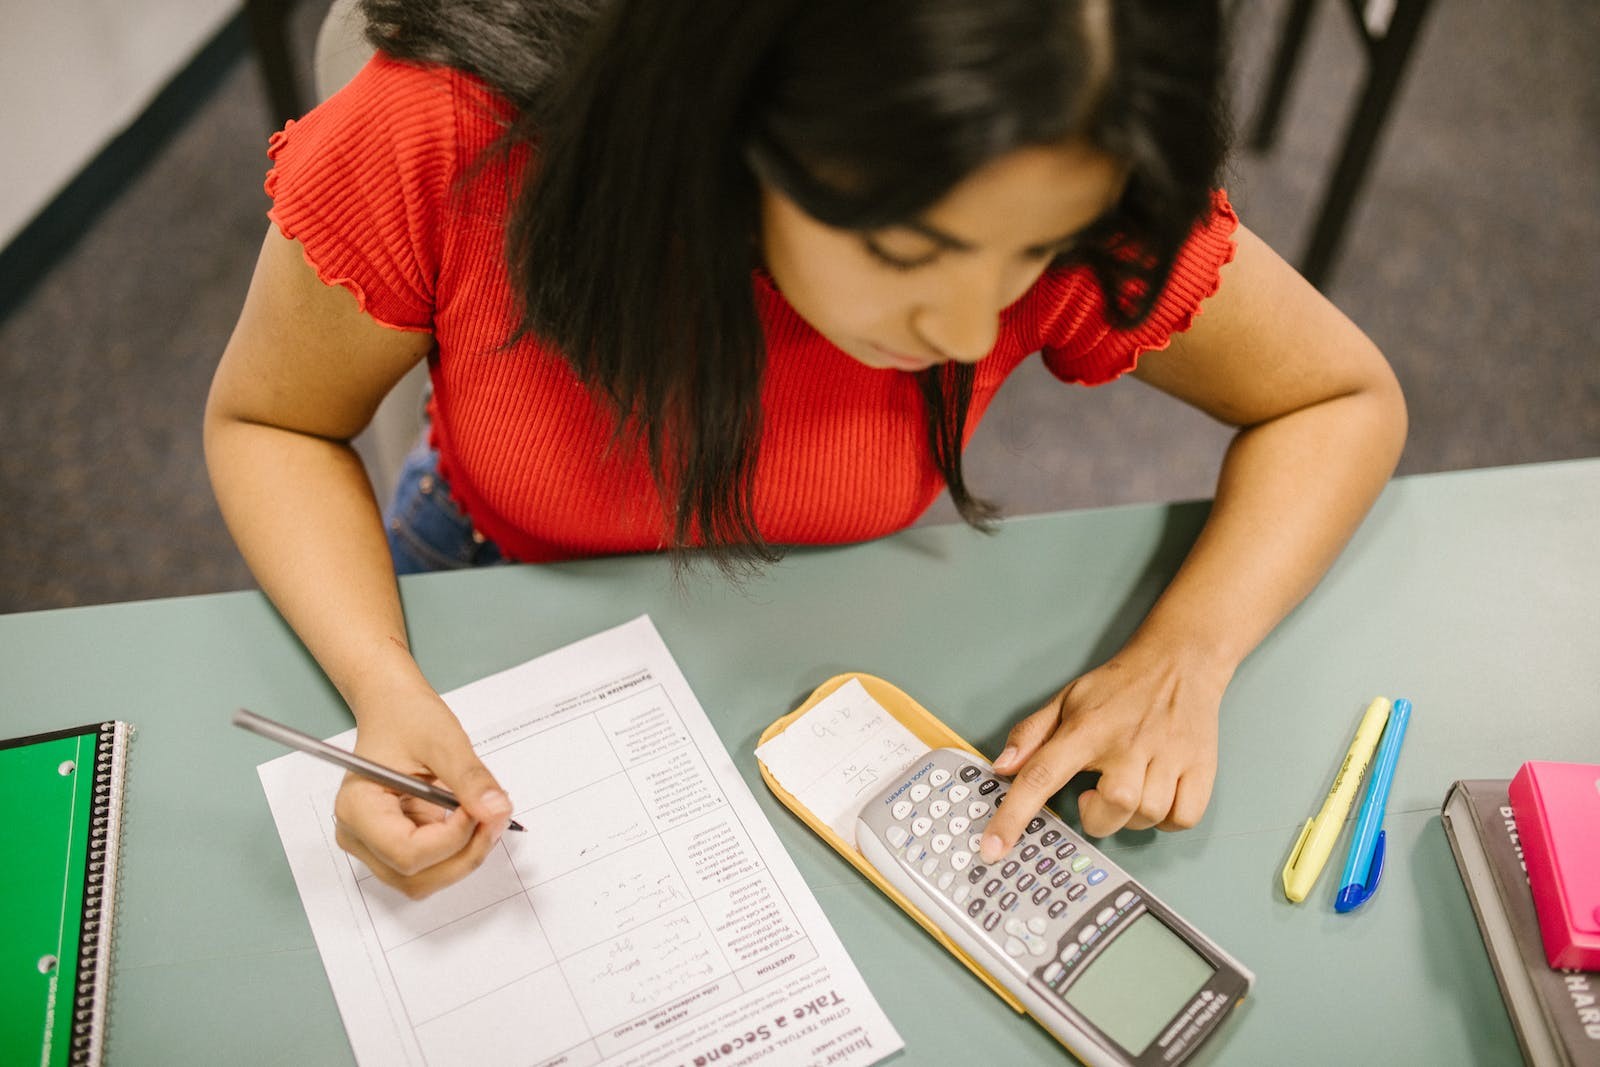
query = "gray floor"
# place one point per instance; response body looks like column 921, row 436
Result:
column 1472, row 261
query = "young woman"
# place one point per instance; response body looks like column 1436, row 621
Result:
column 722, row 276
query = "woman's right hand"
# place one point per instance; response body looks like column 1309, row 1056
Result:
column 410, row 844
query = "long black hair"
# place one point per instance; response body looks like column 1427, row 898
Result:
column 632, row 242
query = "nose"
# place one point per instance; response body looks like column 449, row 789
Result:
column 962, row 326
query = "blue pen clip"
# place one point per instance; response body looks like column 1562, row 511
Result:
column 1353, row 896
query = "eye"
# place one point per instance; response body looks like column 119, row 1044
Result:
column 1054, row 253
column 897, row 261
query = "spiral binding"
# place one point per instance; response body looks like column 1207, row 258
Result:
column 99, row 895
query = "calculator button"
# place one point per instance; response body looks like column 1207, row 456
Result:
column 977, row 809
column 989, row 786
column 1096, row 876
column 930, row 866
column 961, row 894
column 1025, row 883
column 1015, row 947
column 1081, row 864
column 1056, row 909
column 1038, row 925
column 896, row 836
column 1029, row 852
column 1044, row 866
column 1034, row 825
column 902, row 809
column 1124, row 898
column 1049, row 837
column 1067, row 848
column 968, row 773
column 1105, row 915
column 1011, row 867
column 1016, row 927
column 939, row 777
column 945, row 879
column 921, row 825
column 959, row 860
column 999, row 799
column 977, row 874
column 940, row 842
column 959, row 824
column 1071, row 952
column 1061, row 878
column 1037, row 946
column 992, row 886
column 991, row 920
column 975, row 843
column 1041, row 894
column 1087, row 934
column 1008, row 901
column 958, row 793
column 937, row 809
column 1077, row 891
column 920, row 791
column 976, row 907
column 1052, row 972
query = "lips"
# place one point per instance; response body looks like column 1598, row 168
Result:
column 901, row 361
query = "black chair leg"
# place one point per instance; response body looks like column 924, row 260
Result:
column 268, row 35
column 1264, row 130
column 1389, row 60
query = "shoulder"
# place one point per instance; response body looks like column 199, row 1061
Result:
column 402, row 109
column 1072, row 326
column 368, row 180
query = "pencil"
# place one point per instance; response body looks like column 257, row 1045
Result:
column 377, row 772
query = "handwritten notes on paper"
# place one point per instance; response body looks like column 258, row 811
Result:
column 647, row 918
column 841, row 751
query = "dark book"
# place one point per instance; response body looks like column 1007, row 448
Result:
column 1556, row 1014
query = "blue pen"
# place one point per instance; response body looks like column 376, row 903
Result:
column 1364, row 866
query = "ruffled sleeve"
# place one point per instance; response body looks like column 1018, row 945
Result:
column 363, row 183
column 1081, row 347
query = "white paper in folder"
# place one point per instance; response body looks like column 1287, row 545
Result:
column 839, row 753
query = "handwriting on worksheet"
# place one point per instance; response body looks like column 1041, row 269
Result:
column 838, row 753
column 647, row 915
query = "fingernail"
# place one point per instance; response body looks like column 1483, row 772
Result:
column 497, row 800
column 992, row 848
column 1006, row 756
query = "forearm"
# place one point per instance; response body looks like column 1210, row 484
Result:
column 303, row 514
column 1291, row 493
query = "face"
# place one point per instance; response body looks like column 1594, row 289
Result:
column 931, row 289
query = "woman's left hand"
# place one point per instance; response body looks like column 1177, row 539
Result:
column 1146, row 721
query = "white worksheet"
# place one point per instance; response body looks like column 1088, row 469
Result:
column 648, row 916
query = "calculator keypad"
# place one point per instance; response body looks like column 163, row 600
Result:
column 1034, row 904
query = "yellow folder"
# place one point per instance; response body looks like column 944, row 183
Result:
column 921, row 722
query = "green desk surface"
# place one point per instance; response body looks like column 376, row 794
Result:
column 1472, row 593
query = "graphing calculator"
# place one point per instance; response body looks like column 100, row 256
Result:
column 1102, row 964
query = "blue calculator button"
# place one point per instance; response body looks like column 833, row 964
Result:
column 1096, row 876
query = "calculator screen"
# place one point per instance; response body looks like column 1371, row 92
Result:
column 1139, row 982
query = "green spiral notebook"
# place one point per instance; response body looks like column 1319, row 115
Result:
column 61, row 794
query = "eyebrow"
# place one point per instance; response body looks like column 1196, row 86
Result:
column 956, row 244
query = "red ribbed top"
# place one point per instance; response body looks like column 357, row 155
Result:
column 374, row 184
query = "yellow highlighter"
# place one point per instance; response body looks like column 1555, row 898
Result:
column 1317, row 839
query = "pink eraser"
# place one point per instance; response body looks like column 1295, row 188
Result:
column 1557, row 809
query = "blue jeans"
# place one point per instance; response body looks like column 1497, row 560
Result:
column 426, row 531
